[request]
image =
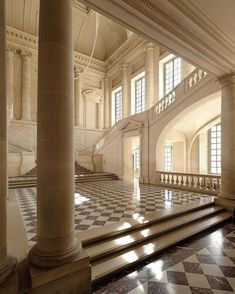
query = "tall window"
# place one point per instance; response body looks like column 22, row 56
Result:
column 168, row 158
column 140, row 95
column 172, row 74
column 215, row 149
column 118, row 105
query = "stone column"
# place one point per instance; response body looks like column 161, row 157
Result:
column 26, row 85
column 228, row 139
column 151, row 75
column 7, row 263
column 56, row 242
column 79, row 105
column 107, row 104
column 125, row 91
column 10, row 82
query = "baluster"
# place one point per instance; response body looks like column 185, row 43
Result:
column 182, row 180
column 203, row 184
column 187, row 181
column 198, row 182
column 177, row 180
column 168, row 179
column 192, row 181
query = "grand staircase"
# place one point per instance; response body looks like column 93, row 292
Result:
column 120, row 246
column 81, row 175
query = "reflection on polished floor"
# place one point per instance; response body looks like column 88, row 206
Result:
column 103, row 203
column 205, row 265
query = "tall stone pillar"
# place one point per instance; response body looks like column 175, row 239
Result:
column 7, row 263
column 228, row 140
column 79, row 105
column 107, row 104
column 56, row 243
column 10, row 82
column 26, row 85
column 152, row 75
column 126, row 99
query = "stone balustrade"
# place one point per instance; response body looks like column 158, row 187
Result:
column 201, row 183
column 181, row 89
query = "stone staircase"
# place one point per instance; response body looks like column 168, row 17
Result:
column 120, row 246
column 81, row 175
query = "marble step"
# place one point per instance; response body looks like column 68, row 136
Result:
column 104, row 268
column 14, row 184
column 105, row 248
column 140, row 222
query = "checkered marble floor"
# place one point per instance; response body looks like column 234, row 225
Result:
column 107, row 202
column 210, row 269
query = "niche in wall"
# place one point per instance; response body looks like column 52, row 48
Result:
column 93, row 108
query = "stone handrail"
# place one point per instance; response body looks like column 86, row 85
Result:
column 186, row 85
column 108, row 135
column 181, row 89
column 200, row 183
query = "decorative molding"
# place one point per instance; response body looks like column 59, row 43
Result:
column 78, row 71
column 83, row 59
column 25, row 53
column 123, row 51
column 22, row 38
column 93, row 95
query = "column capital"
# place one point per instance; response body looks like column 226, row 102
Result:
column 78, row 71
column 25, row 53
column 227, row 80
column 149, row 46
column 11, row 50
column 124, row 67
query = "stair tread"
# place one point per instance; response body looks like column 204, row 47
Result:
column 104, row 268
column 116, row 244
column 122, row 227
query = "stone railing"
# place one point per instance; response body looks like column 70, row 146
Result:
column 200, row 183
column 186, row 85
column 107, row 136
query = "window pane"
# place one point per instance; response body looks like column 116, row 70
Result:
column 215, row 149
column 140, row 95
column 172, row 74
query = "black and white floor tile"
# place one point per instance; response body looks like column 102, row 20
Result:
column 107, row 202
column 202, row 266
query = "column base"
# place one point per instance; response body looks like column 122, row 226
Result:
column 73, row 277
column 43, row 260
column 7, row 268
column 228, row 204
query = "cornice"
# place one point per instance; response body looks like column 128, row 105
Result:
column 22, row 38
column 164, row 24
column 29, row 41
column 84, row 59
column 123, row 51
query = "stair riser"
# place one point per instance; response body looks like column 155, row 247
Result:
column 123, row 248
column 96, row 280
column 138, row 226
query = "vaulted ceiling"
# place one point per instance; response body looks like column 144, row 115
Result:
column 24, row 15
